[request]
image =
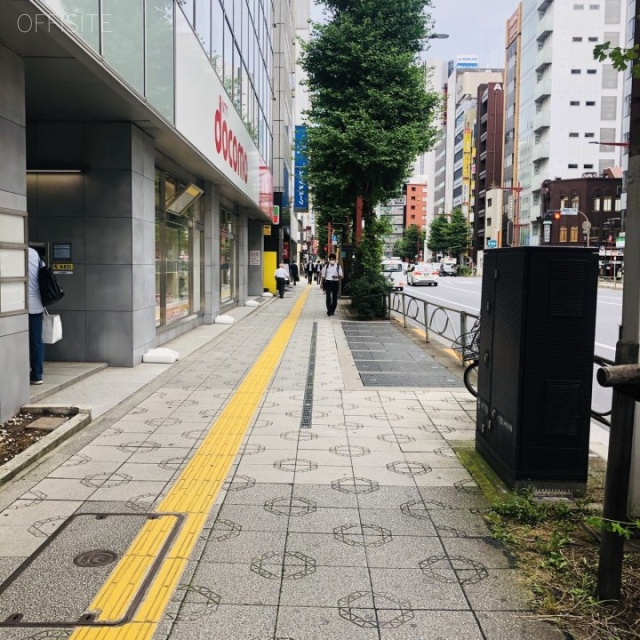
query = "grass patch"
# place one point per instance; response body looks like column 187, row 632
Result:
column 557, row 550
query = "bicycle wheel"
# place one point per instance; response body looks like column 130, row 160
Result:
column 471, row 378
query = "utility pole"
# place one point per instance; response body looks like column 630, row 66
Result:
column 623, row 447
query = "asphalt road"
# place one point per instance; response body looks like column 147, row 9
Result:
column 464, row 294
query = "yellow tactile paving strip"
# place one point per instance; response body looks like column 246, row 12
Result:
column 193, row 494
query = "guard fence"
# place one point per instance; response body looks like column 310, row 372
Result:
column 460, row 330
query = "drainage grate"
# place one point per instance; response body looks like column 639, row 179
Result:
column 307, row 403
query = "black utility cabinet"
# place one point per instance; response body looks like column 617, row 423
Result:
column 537, row 332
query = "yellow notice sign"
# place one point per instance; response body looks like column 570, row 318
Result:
column 267, row 230
column 59, row 267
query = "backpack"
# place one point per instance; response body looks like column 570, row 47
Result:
column 50, row 291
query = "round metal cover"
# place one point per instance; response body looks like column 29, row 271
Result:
column 97, row 558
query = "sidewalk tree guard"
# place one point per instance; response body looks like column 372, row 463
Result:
column 370, row 115
column 623, row 451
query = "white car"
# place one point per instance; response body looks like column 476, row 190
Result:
column 424, row 273
column 395, row 272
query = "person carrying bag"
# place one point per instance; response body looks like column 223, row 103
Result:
column 51, row 328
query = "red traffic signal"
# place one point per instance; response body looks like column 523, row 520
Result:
column 557, row 215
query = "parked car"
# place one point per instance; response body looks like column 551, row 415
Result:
column 395, row 272
column 423, row 273
column 448, row 269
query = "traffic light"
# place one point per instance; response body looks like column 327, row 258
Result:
column 557, row 215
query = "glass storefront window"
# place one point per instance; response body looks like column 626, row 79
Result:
column 179, row 256
column 203, row 24
column 228, row 256
column 80, row 16
column 123, row 40
column 159, row 268
column 217, row 36
column 177, row 264
column 159, row 56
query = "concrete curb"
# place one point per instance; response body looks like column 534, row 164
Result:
column 81, row 418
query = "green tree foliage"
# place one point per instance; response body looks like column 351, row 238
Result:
column 438, row 235
column 370, row 113
column 411, row 243
column 457, row 233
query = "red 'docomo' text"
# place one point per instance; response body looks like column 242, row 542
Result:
column 228, row 145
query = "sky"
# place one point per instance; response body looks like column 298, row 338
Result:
column 474, row 27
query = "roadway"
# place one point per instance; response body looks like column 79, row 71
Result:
column 464, row 294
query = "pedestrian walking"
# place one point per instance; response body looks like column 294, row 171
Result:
column 318, row 271
column 281, row 276
column 331, row 276
column 309, row 269
column 295, row 273
column 36, row 312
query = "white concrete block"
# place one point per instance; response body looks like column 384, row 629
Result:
column 267, row 294
column 224, row 319
column 251, row 303
column 160, row 356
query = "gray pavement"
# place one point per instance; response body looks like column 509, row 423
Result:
column 346, row 514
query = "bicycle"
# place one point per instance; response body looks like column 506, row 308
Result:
column 467, row 347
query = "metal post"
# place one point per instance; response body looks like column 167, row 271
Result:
column 404, row 311
column 426, row 324
column 463, row 323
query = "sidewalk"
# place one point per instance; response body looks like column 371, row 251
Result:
column 344, row 515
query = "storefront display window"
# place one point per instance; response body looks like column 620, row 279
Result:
column 228, row 255
column 178, row 260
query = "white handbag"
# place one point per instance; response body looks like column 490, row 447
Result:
column 51, row 328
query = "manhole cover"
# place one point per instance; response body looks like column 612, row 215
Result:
column 53, row 588
column 98, row 558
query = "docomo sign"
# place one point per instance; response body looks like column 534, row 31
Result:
column 227, row 143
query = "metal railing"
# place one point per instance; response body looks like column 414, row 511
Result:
column 437, row 319
column 453, row 324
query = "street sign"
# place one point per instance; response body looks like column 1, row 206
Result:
column 569, row 211
column 492, row 244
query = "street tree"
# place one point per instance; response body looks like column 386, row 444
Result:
column 411, row 243
column 457, row 234
column 438, row 235
column 370, row 115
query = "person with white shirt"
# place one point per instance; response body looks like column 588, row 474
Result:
column 281, row 275
column 332, row 274
column 36, row 312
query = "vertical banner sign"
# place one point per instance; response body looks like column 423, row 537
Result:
column 301, row 186
column 276, row 214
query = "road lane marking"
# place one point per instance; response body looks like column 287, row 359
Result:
column 451, row 302
column 193, row 494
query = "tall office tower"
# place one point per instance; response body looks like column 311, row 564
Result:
column 462, row 90
column 424, row 169
column 303, row 212
column 511, row 114
column 567, row 99
column 416, row 207
column 284, row 86
column 488, row 174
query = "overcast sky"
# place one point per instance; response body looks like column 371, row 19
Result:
column 474, row 27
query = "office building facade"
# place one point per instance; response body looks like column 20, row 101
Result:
column 567, row 99
column 137, row 152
